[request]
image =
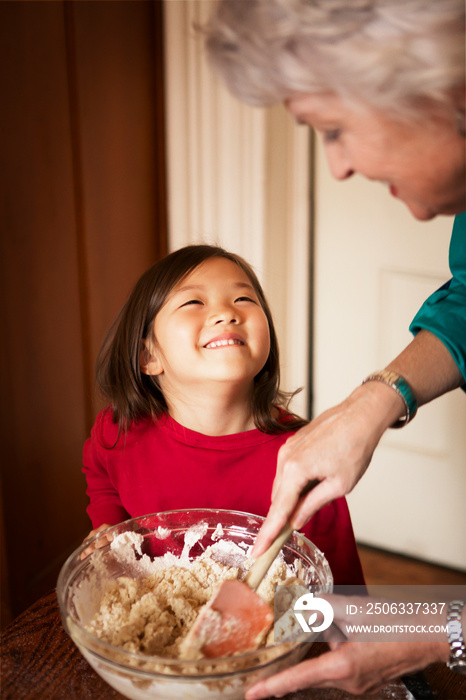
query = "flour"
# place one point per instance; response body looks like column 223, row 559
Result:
column 162, row 533
column 218, row 533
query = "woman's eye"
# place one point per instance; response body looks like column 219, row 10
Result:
column 332, row 135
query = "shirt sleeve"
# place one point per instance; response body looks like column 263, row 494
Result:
column 104, row 500
column 444, row 312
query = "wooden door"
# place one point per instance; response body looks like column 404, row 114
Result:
column 82, row 214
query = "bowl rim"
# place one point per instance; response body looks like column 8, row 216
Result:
column 64, row 579
column 201, row 677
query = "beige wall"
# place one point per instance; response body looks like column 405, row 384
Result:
column 240, row 176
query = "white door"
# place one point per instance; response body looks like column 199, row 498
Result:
column 374, row 265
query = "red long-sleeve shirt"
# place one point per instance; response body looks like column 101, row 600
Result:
column 158, row 466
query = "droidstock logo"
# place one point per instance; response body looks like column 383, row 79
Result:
column 307, row 603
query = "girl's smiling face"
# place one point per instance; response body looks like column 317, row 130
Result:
column 211, row 328
column 423, row 164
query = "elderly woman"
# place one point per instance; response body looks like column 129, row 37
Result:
column 383, row 82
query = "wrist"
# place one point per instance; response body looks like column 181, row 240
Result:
column 400, row 386
column 382, row 406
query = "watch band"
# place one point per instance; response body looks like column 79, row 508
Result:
column 401, row 386
column 457, row 660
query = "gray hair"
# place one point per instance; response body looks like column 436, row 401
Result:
column 399, row 56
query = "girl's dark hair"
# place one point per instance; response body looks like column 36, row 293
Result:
column 132, row 393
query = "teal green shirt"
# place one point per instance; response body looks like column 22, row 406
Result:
column 444, row 312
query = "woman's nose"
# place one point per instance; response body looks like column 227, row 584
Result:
column 339, row 164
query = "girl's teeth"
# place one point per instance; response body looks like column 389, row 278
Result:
column 219, row 343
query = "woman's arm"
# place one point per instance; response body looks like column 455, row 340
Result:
column 336, row 448
column 428, row 367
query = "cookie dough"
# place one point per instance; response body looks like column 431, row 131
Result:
column 153, row 613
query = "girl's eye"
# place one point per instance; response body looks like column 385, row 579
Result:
column 191, row 301
column 246, row 299
column 332, row 135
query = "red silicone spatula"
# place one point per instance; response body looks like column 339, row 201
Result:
column 236, row 619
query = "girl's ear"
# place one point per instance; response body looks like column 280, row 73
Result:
column 148, row 360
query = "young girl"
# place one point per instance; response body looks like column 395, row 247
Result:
column 196, row 419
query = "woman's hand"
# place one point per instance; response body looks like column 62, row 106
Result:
column 360, row 666
column 335, row 449
column 100, row 542
column 356, row 667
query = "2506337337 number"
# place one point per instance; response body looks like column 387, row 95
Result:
column 396, row 608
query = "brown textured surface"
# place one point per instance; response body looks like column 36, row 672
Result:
column 40, row 661
column 381, row 567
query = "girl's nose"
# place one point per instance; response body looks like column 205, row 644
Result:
column 339, row 164
column 225, row 314
column 226, row 318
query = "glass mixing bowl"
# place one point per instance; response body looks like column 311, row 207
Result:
column 84, row 578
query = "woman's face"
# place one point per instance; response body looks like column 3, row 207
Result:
column 422, row 164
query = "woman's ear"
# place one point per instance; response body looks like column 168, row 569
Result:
column 148, row 360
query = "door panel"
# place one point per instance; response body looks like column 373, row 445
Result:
column 44, row 406
column 374, row 265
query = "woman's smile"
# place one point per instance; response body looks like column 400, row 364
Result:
column 359, row 139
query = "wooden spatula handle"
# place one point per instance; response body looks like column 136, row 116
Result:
column 265, row 561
